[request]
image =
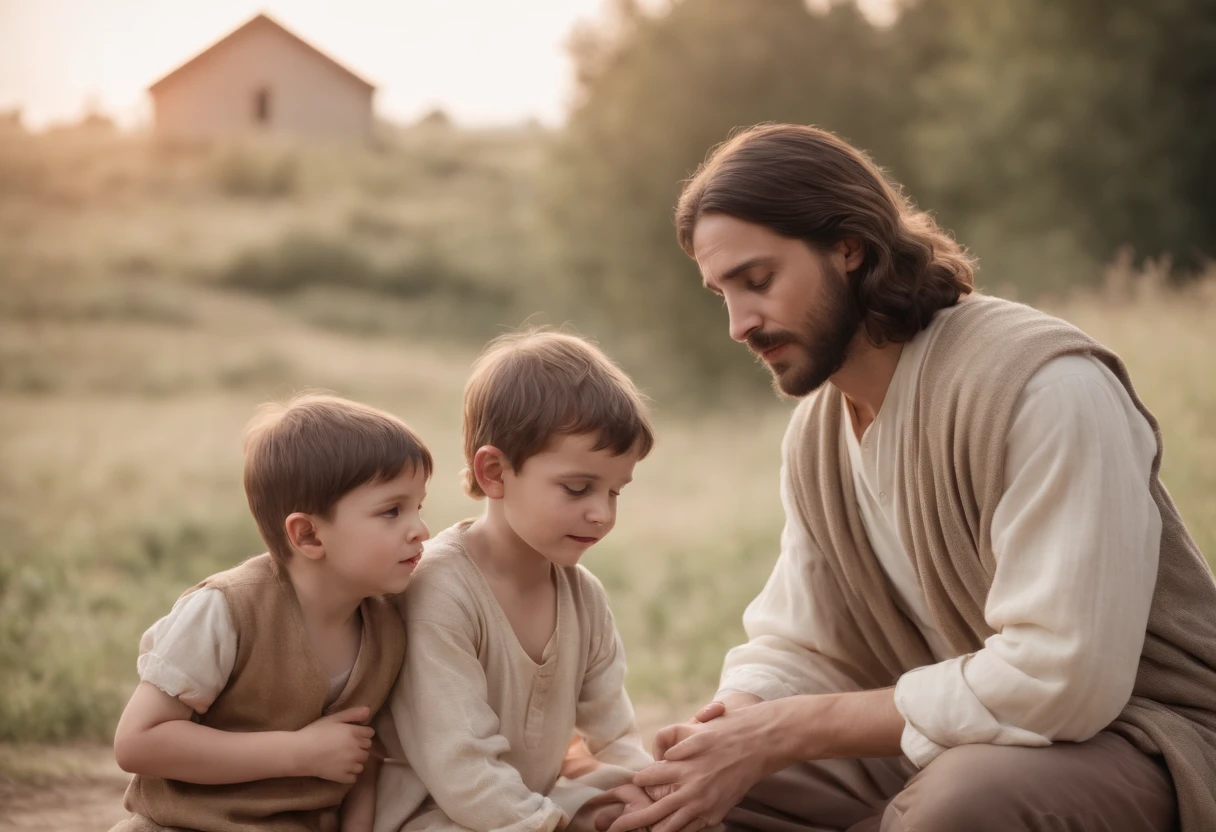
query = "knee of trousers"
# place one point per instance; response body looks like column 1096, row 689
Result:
column 963, row 789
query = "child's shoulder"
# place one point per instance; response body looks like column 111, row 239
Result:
column 240, row 592
column 586, row 586
column 443, row 558
column 444, row 574
column 255, row 570
column 591, row 604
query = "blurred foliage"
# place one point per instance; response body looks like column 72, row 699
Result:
column 1045, row 134
column 656, row 92
column 1072, row 127
column 238, row 172
column 301, row 260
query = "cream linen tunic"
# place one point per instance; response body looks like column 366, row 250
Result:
column 480, row 726
column 1076, row 537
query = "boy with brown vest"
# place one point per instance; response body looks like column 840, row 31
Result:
column 256, row 687
column 513, row 650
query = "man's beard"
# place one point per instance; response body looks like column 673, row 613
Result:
column 824, row 340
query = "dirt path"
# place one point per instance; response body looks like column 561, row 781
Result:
column 75, row 788
column 63, row 807
column 79, row 788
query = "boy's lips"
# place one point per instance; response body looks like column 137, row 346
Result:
column 412, row 561
column 582, row 539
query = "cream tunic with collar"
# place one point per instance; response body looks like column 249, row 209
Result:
column 483, row 727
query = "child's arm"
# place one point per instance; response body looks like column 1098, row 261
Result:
column 157, row 738
column 578, row 761
column 359, row 807
column 604, row 718
column 449, row 731
column 604, row 809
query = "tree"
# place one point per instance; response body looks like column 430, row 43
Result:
column 656, row 92
column 1070, row 129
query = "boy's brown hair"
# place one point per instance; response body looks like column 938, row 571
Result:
column 308, row 453
column 532, row 385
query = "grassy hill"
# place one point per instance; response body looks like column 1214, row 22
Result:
column 151, row 297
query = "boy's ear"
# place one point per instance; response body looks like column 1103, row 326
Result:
column 302, row 535
column 489, row 465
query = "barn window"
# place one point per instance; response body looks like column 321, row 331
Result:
column 261, row 106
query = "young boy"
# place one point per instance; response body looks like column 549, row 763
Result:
column 512, row 648
column 256, row 687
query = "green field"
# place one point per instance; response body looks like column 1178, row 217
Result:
column 149, row 299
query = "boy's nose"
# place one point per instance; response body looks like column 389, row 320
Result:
column 599, row 514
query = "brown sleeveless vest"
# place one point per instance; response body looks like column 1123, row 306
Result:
column 277, row 684
column 952, row 476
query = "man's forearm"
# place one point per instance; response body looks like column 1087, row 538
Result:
column 193, row 753
column 839, row 725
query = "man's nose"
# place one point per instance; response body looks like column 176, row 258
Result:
column 743, row 320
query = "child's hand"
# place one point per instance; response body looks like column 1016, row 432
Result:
column 578, row 761
column 335, row 747
column 625, row 799
column 657, row 793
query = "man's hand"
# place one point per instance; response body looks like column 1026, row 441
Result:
column 711, row 766
column 335, row 747
column 664, row 739
column 625, row 800
column 667, row 737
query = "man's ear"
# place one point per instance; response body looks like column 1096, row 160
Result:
column 489, row 466
column 853, row 251
column 302, row 535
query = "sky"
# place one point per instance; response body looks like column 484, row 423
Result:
column 485, row 62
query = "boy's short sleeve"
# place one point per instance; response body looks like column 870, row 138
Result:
column 189, row 654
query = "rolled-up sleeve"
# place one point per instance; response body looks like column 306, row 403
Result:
column 189, row 654
column 1076, row 537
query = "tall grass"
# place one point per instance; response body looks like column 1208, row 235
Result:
column 146, row 307
column 118, row 497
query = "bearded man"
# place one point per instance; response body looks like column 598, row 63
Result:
column 987, row 613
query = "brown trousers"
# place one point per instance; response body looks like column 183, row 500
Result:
column 1103, row 785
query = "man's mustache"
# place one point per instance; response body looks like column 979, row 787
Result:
column 760, row 341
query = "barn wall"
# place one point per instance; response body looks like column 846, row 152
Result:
column 306, row 94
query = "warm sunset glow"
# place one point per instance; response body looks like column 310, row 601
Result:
column 485, row 61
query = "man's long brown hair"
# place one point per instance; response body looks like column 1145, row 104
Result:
column 806, row 183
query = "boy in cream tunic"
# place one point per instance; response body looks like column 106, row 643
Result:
column 512, row 648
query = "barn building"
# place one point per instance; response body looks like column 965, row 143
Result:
column 261, row 78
